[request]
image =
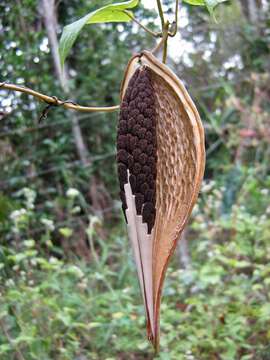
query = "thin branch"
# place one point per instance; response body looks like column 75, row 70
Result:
column 165, row 46
column 175, row 23
column 161, row 15
column 54, row 101
column 156, row 49
column 152, row 33
column 162, row 43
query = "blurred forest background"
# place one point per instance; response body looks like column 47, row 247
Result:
column 68, row 288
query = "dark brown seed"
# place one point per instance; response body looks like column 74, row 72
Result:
column 149, row 136
column 122, row 156
column 139, row 200
column 151, row 161
column 136, row 153
column 141, row 133
column 137, row 168
column 132, row 105
column 133, row 141
column 124, row 113
column 136, row 144
column 140, row 118
column 122, row 142
column 122, row 171
column 147, row 211
column 149, row 150
column 122, row 129
column 134, row 92
column 127, row 94
column 132, row 180
column 149, row 112
column 130, row 124
column 150, row 179
column 130, row 161
column 134, row 113
column 143, row 188
column 142, row 144
column 133, row 80
column 147, row 123
column 149, row 195
column 146, row 170
column 136, row 129
column 142, row 158
column 141, row 178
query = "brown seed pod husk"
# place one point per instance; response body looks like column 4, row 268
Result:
column 161, row 148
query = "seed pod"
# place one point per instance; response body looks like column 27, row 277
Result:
column 166, row 173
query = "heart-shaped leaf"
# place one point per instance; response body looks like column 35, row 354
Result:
column 210, row 4
column 111, row 13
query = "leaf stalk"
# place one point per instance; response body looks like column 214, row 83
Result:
column 152, row 33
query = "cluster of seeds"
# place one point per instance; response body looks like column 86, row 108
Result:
column 137, row 145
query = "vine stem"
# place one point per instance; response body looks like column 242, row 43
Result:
column 54, row 101
column 168, row 29
column 152, row 33
column 175, row 23
column 158, row 46
column 161, row 15
column 165, row 44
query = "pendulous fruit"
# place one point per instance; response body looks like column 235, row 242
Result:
column 160, row 159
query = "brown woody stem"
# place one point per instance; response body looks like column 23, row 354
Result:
column 165, row 46
column 53, row 100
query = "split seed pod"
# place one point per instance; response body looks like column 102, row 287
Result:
column 160, row 158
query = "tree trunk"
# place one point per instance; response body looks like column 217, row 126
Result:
column 253, row 11
column 97, row 193
column 50, row 21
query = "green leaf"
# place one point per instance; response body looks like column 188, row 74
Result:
column 110, row 13
column 4, row 348
column 210, row 4
column 195, row 2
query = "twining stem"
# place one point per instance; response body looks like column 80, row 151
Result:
column 175, row 23
column 54, row 101
column 165, row 36
column 165, row 30
column 161, row 15
column 159, row 45
column 162, row 43
column 153, row 33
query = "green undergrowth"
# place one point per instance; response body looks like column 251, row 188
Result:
column 218, row 308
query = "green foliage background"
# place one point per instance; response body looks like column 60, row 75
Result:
column 67, row 279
